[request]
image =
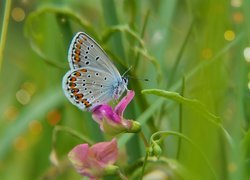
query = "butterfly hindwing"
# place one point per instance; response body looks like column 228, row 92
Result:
column 86, row 87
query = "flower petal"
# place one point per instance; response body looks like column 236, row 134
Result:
column 104, row 111
column 119, row 109
column 79, row 156
column 105, row 152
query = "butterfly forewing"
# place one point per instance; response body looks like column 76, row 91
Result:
column 85, row 52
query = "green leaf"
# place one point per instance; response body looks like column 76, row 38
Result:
column 193, row 104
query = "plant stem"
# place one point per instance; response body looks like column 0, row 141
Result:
column 144, row 139
column 180, row 135
column 122, row 176
column 4, row 29
column 180, row 118
column 144, row 165
column 179, row 55
column 69, row 131
column 142, row 35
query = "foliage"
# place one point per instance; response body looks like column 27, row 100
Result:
column 194, row 110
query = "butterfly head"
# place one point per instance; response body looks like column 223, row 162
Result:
column 121, row 87
column 125, row 81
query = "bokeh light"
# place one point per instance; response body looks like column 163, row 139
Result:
column 23, row 96
column 20, row 143
column 232, row 167
column 53, row 117
column 207, row 53
column 246, row 54
column 236, row 3
column 11, row 113
column 30, row 87
column 229, row 35
column 238, row 17
column 18, row 14
column 35, row 127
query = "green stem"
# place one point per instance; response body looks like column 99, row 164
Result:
column 142, row 35
column 4, row 29
column 130, row 169
column 144, row 165
column 144, row 139
column 166, row 133
column 70, row 131
column 179, row 55
column 111, row 18
column 122, row 176
column 180, row 118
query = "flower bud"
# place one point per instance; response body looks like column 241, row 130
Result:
column 156, row 150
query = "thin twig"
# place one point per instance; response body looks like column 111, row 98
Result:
column 4, row 29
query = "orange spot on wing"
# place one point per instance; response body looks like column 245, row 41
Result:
column 78, row 46
column 84, row 38
column 72, row 79
column 77, row 74
column 77, row 51
column 83, row 70
column 79, row 96
column 80, row 41
column 77, row 58
column 74, row 91
column 72, row 84
column 86, row 103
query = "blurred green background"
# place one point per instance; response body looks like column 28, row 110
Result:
column 200, row 49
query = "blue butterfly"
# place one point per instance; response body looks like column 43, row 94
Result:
column 92, row 79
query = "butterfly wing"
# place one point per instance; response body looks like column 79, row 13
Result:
column 86, row 87
column 93, row 79
column 85, row 52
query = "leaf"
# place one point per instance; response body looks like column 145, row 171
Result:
column 194, row 104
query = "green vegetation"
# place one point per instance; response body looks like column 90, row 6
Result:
column 194, row 110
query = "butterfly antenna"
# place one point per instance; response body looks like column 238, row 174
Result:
column 127, row 71
column 141, row 79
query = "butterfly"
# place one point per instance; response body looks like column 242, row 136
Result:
column 92, row 79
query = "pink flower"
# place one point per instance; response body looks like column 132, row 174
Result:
column 95, row 161
column 112, row 121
